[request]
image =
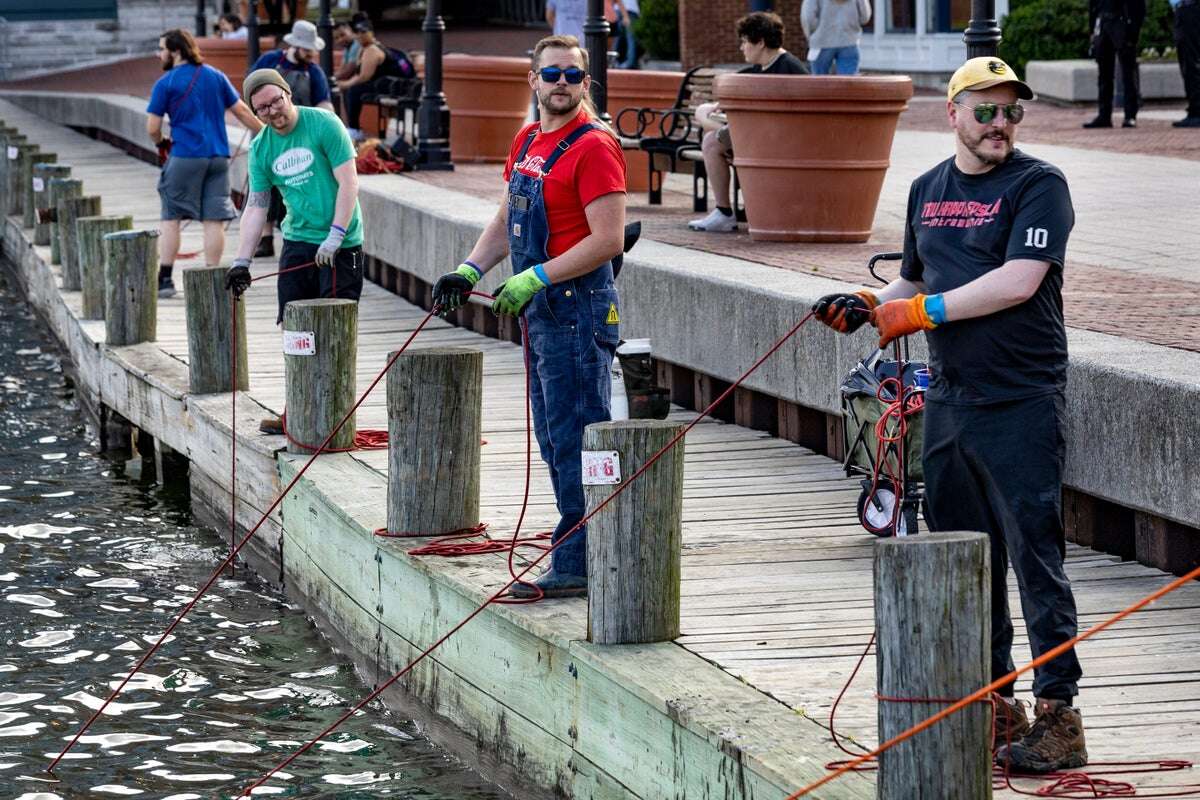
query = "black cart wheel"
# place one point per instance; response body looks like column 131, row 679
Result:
column 877, row 511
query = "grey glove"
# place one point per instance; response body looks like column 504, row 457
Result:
column 328, row 249
column 237, row 279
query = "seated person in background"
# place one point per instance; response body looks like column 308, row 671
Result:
column 375, row 61
column 761, row 34
column 343, row 37
column 230, row 26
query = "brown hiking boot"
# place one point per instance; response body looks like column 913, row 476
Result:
column 1054, row 743
column 271, row 425
column 1010, row 723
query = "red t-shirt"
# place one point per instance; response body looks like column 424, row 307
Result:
column 591, row 167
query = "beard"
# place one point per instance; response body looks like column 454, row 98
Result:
column 167, row 63
column 559, row 102
column 983, row 147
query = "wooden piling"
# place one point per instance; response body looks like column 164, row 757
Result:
column 60, row 189
column 435, row 420
column 634, row 544
column 210, row 311
column 9, row 155
column 89, row 235
column 68, row 211
column 28, row 203
column 130, row 286
column 320, row 354
column 18, row 178
column 40, row 185
column 933, row 620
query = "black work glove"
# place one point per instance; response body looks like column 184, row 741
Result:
column 237, row 279
column 450, row 291
column 845, row 312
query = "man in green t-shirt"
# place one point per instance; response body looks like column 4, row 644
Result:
column 307, row 155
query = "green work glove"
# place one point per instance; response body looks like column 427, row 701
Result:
column 515, row 293
column 451, row 289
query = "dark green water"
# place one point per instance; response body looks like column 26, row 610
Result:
column 93, row 565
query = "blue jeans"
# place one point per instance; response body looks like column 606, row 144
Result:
column 845, row 57
column 626, row 33
column 571, row 347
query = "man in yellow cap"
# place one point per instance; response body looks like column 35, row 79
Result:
column 984, row 243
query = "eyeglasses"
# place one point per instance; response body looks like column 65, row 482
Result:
column 271, row 107
column 986, row 112
column 552, row 74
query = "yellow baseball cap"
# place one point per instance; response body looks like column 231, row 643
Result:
column 983, row 73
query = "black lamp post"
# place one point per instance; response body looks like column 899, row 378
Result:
column 200, row 22
column 325, row 31
column 433, row 117
column 982, row 34
column 251, row 34
column 595, row 32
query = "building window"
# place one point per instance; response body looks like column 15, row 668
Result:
column 949, row 16
column 902, row 16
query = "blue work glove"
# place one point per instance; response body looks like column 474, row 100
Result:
column 515, row 293
column 328, row 249
column 237, row 279
column 450, row 291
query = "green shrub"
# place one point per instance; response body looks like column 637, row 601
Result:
column 1046, row 30
column 657, row 29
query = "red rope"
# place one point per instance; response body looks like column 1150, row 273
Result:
column 365, row 439
column 503, row 589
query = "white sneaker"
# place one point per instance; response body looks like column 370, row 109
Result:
column 715, row 222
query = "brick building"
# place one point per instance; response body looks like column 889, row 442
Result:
column 706, row 30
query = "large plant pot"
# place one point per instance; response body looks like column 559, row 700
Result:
column 638, row 88
column 229, row 55
column 812, row 151
column 489, row 99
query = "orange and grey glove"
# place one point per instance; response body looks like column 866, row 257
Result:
column 897, row 318
column 845, row 312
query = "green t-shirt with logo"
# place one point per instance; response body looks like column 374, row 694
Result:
column 301, row 164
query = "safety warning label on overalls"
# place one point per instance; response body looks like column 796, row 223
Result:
column 613, row 317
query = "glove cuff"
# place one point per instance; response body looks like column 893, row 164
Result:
column 469, row 271
column 935, row 308
column 921, row 312
column 240, row 262
column 868, row 297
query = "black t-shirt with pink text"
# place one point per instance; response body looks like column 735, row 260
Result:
column 959, row 227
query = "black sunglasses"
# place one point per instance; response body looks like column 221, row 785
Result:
column 552, row 74
column 986, row 112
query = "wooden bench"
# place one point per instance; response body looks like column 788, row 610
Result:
column 671, row 137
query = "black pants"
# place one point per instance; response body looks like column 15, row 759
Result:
column 1107, row 54
column 354, row 101
column 313, row 282
column 998, row 469
column 1187, row 42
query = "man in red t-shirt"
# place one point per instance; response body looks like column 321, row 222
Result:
column 562, row 221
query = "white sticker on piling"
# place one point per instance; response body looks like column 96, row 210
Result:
column 299, row 343
column 13, row 153
column 39, row 185
column 601, row 467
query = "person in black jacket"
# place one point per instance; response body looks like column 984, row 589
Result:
column 1116, row 26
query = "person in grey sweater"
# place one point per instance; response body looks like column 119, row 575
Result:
column 834, row 27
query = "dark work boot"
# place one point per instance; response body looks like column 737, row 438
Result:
column 1010, row 723
column 266, row 247
column 552, row 584
column 1055, row 742
column 1099, row 122
column 166, row 287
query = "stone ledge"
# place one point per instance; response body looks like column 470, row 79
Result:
column 1074, row 80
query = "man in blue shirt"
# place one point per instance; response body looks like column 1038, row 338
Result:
column 194, row 183
column 297, row 64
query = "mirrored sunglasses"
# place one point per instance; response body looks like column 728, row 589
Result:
column 986, row 112
column 552, row 74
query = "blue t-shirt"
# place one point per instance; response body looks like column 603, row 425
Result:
column 318, row 86
column 197, row 116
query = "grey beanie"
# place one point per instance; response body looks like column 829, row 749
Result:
column 260, row 78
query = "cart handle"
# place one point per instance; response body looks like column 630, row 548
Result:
column 882, row 257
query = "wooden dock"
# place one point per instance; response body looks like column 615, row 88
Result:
column 776, row 571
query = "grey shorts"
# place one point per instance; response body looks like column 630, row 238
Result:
column 195, row 188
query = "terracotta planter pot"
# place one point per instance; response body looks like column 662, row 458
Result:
column 229, row 56
column 812, row 151
column 639, row 88
column 489, row 99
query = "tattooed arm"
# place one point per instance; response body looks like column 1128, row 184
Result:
column 254, row 219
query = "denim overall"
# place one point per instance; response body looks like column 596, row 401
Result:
column 571, row 347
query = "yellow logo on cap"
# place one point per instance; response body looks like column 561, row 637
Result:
column 997, row 67
column 613, row 318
